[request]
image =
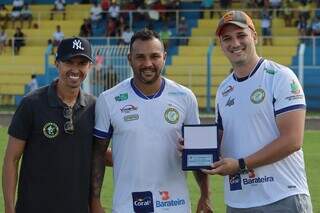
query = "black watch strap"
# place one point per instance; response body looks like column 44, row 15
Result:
column 243, row 169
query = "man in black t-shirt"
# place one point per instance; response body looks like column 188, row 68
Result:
column 52, row 131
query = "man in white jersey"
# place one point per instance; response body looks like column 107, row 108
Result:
column 260, row 110
column 144, row 116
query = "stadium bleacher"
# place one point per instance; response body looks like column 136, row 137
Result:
column 186, row 64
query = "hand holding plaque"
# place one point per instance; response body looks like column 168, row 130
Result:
column 200, row 146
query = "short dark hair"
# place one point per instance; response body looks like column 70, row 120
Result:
column 144, row 35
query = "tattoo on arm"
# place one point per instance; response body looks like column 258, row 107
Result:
column 98, row 167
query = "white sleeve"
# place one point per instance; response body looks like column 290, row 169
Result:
column 192, row 116
column 288, row 93
column 103, row 128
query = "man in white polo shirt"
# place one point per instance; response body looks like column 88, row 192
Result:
column 260, row 110
column 144, row 116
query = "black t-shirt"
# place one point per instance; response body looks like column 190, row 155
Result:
column 55, row 167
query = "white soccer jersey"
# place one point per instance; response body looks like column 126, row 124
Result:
column 247, row 112
column 144, row 131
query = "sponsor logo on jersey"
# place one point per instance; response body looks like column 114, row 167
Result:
column 257, row 180
column 166, row 202
column 176, row 93
column 270, row 71
column 128, row 108
column 131, row 117
column 142, row 202
column 50, row 130
column 171, row 115
column 121, row 97
column 227, row 90
column 252, row 179
column 235, row 182
column 294, row 97
column 294, row 87
column 257, row 96
column 230, row 102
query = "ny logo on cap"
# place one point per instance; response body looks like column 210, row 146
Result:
column 77, row 45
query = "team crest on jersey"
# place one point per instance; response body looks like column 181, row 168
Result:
column 257, row 96
column 50, row 130
column 171, row 115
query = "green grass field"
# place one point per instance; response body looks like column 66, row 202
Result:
column 312, row 157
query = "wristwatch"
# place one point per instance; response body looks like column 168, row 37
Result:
column 243, row 169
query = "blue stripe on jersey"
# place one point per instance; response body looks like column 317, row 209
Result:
column 252, row 73
column 290, row 108
column 139, row 93
column 103, row 135
column 219, row 121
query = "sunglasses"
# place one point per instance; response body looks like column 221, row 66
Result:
column 68, row 125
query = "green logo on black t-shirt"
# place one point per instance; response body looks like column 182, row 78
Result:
column 50, row 130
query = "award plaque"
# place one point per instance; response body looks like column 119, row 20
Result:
column 200, row 146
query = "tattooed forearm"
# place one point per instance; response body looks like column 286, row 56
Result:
column 98, row 167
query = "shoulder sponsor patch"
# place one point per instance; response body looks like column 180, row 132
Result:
column 121, row 97
column 128, row 108
column 227, row 90
column 132, row 117
column 50, row 130
column 295, row 89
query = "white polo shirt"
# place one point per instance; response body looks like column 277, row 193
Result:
column 144, row 131
column 247, row 112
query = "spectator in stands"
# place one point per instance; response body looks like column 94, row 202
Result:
column 15, row 15
column 3, row 39
column 302, row 28
column 183, row 29
column 33, row 84
column 287, row 12
column 26, row 15
column 207, row 6
column 95, row 13
column 315, row 26
column 165, row 35
column 85, row 29
column 59, row 7
column 266, row 25
column 58, row 36
column 225, row 5
column 275, row 6
column 4, row 15
column 105, row 4
column 304, row 10
column 49, row 49
column 18, row 40
column 126, row 35
column 114, row 10
column 111, row 28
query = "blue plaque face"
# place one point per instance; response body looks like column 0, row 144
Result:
column 142, row 202
column 199, row 160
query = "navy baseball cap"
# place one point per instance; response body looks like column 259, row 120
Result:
column 75, row 46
